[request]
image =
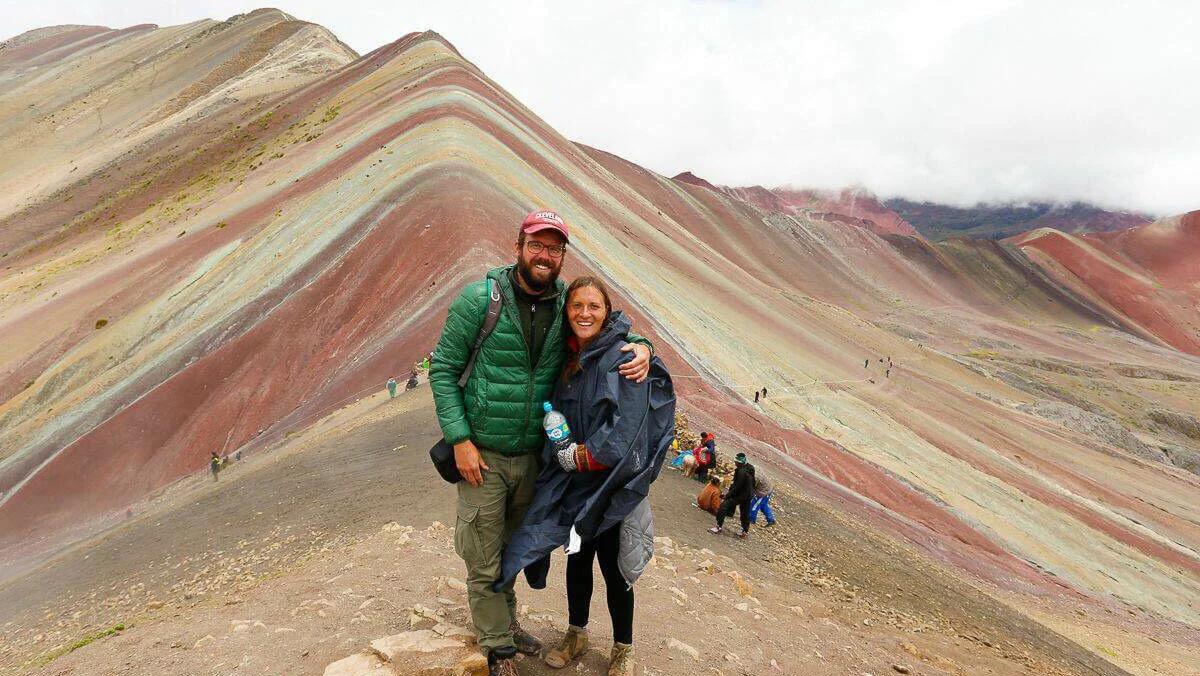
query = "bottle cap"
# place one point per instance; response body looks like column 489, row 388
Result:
column 547, row 407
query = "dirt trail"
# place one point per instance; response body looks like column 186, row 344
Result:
column 286, row 563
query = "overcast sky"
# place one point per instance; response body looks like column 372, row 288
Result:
column 948, row 101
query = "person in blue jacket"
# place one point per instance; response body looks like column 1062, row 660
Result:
column 591, row 496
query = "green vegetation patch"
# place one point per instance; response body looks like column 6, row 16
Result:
column 330, row 115
column 55, row 654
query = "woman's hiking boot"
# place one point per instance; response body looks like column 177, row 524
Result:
column 620, row 662
column 574, row 643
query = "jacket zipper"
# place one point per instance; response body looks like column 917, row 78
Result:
column 528, row 383
column 532, row 368
column 529, row 360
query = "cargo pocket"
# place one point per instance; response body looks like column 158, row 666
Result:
column 466, row 533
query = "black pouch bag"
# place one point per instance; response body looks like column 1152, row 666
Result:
column 442, row 455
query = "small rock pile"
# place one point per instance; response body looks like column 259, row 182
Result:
column 683, row 433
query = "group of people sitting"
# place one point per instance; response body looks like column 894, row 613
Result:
column 696, row 462
column 749, row 492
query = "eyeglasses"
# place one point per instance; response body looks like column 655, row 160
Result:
column 555, row 250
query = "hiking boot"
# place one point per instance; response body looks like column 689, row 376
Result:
column 715, row 530
column 502, row 662
column 620, row 662
column 743, row 535
column 574, row 643
column 526, row 642
column 770, row 524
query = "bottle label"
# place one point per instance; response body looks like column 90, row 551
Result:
column 559, row 433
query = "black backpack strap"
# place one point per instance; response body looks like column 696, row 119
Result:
column 489, row 323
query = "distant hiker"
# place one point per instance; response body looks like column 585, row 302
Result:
column 425, row 363
column 706, row 455
column 888, row 372
column 391, row 387
column 762, row 499
column 710, row 496
column 681, row 456
column 238, row 455
column 756, row 393
column 214, row 464
column 764, row 394
column 738, row 497
column 412, row 381
column 496, row 450
column 591, row 495
column 866, row 362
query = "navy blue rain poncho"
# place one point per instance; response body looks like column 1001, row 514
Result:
column 626, row 426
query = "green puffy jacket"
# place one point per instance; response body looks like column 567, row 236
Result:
column 501, row 406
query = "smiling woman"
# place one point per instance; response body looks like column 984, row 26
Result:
column 587, row 308
column 591, row 496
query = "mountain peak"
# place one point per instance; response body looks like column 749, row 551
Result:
column 692, row 179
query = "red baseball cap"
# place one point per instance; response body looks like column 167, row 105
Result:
column 538, row 221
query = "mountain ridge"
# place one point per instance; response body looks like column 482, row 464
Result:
column 932, row 220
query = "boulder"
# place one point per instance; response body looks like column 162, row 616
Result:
column 360, row 664
column 472, row 665
column 419, row 641
column 677, row 646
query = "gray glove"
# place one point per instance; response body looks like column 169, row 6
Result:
column 566, row 457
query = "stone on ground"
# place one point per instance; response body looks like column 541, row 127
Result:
column 681, row 647
column 419, row 641
column 360, row 664
column 446, row 650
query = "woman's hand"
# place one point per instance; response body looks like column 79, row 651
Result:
column 566, row 458
column 639, row 367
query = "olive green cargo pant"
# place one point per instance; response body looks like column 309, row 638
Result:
column 487, row 516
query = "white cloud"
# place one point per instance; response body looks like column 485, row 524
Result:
column 956, row 102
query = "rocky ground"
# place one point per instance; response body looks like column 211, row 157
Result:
column 338, row 545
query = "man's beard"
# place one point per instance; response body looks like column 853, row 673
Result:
column 525, row 269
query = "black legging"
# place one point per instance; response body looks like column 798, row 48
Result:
column 726, row 510
column 579, row 584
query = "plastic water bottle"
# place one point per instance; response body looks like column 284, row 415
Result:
column 555, row 425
